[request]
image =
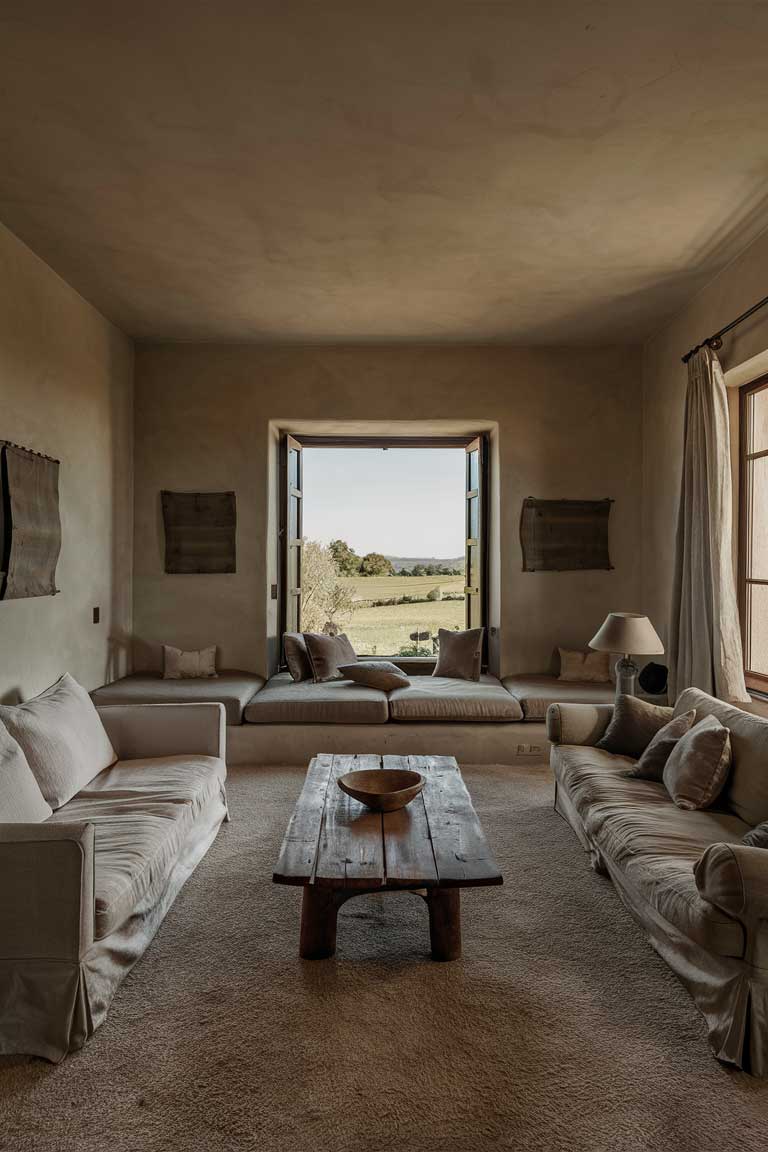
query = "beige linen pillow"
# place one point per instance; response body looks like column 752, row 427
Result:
column 698, row 766
column 633, row 725
column 326, row 653
column 650, row 766
column 375, row 674
column 62, row 737
column 587, row 665
column 460, row 654
column 21, row 801
column 296, row 656
column 178, row 665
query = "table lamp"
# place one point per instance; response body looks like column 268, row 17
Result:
column 627, row 632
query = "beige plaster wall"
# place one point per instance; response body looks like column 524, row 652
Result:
column 735, row 290
column 565, row 423
column 66, row 382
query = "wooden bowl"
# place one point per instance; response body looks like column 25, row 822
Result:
column 382, row 789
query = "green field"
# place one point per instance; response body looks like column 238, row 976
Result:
column 382, row 630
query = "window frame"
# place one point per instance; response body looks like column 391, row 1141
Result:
column 355, row 441
column 755, row 681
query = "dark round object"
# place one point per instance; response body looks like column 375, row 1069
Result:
column 653, row 679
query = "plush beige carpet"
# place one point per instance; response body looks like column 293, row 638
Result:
column 559, row 1028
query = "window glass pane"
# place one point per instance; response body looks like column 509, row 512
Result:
column 293, row 518
column 757, row 417
column 293, row 468
column 473, row 473
column 473, row 522
column 473, row 574
column 757, row 628
column 757, row 538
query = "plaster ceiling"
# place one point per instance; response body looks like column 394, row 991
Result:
column 535, row 172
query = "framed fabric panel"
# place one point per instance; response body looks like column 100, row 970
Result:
column 30, row 525
column 564, row 535
column 199, row 532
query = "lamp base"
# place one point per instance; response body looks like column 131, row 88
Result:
column 626, row 677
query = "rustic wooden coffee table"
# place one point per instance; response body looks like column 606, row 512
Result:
column 336, row 848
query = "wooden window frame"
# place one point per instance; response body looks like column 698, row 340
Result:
column 300, row 441
column 755, row 681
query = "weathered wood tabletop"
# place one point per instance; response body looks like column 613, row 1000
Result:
column 337, row 848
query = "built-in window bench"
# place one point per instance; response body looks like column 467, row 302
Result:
column 279, row 721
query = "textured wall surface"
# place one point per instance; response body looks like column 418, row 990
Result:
column 735, row 290
column 567, row 423
column 66, row 378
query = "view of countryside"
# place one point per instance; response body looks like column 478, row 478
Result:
column 383, row 558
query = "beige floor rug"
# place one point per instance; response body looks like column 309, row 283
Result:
column 559, row 1029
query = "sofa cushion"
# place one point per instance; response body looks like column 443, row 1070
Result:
column 284, row 701
column 656, row 848
column 21, row 801
column 296, row 656
column 653, row 761
column 698, row 766
column 459, row 654
column 381, row 674
column 137, row 842
column 536, row 693
column 633, row 725
column 231, row 688
column 638, row 829
column 326, row 653
column 182, row 779
column 746, row 790
column 62, row 737
column 461, row 701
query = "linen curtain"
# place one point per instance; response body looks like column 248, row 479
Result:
column 705, row 638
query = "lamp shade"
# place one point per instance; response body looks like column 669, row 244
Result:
column 627, row 632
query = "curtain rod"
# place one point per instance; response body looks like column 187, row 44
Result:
column 715, row 342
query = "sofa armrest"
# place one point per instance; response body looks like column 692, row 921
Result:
column 734, row 877
column 138, row 730
column 46, row 894
column 577, row 723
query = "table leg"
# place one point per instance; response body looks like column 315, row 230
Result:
column 445, row 922
column 319, row 910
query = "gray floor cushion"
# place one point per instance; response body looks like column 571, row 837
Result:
column 461, row 701
column 286, row 701
column 231, row 688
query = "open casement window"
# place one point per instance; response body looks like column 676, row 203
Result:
column 753, row 532
column 291, row 532
column 474, row 549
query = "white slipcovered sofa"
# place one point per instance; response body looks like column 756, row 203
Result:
column 84, row 890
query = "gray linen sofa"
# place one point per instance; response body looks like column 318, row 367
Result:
column 700, row 893
column 84, row 891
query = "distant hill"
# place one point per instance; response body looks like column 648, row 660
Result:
column 401, row 562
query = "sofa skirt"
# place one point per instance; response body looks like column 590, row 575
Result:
column 49, row 1008
column 730, row 993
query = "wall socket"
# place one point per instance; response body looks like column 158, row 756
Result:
column 529, row 749
column 96, row 615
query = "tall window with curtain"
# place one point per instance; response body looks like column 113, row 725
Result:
column 753, row 532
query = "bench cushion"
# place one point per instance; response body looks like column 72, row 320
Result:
column 231, row 688
column 461, row 701
column 284, row 700
column 536, row 693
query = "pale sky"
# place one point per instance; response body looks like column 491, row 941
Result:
column 401, row 502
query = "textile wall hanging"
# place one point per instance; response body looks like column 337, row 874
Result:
column 199, row 531
column 30, row 526
column 564, row 535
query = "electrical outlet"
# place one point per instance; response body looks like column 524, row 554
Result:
column 96, row 615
